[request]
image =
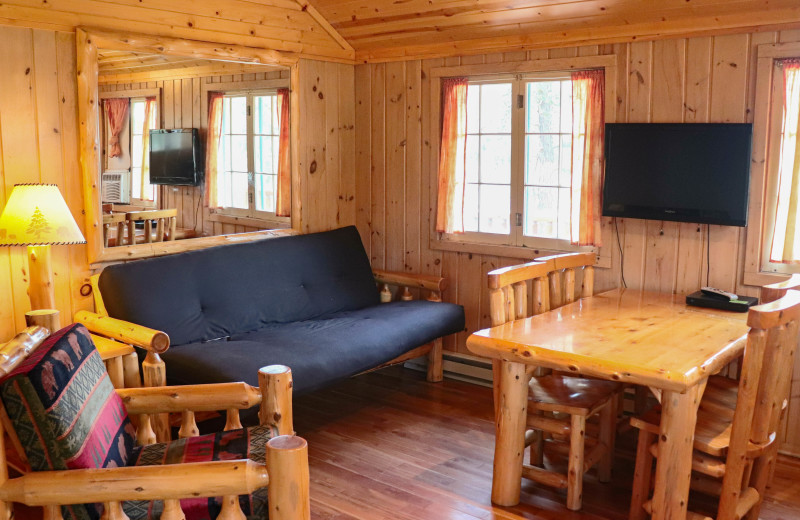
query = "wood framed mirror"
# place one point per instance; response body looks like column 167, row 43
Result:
column 93, row 45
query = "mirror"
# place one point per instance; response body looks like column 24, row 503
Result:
column 153, row 109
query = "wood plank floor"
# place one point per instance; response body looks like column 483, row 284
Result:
column 390, row 446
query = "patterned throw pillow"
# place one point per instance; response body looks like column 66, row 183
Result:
column 65, row 411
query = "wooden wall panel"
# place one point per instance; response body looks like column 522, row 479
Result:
column 39, row 143
column 703, row 79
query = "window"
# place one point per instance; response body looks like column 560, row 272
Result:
column 518, row 187
column 248, row 154
column 138, row 114
column 776, row 124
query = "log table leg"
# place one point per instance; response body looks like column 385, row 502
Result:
column 674, row 468
column 511, row 397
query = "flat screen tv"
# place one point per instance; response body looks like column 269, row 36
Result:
column 685, row 172
column 175, row 157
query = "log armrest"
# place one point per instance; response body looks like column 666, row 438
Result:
column 274, row 395
column 434, row 284
column 285, row 475
column 149, row 339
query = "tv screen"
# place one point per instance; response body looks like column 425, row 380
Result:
column 685, row 172
column 175, row 157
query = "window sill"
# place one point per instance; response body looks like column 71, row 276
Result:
column 523, row 252
column 263, row 223
column 759, row 279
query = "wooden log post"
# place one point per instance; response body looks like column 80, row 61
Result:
column 130, row 371
column 435, row 364
column 5, row 507
column 287, row 464
column 154, row 373
column 113, row 511
column 47, row 318
column 231, row 510
column 232, row 419
column 275, row 383
column 642, row 475
column 16, row 350
column 172, row 510
column 510, row 415
column 144, row 431
column 188, row 425
column 116, row 372
column 406, row 296
column 575, row 470
column 41, row 289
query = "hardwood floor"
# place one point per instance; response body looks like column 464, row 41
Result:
column 390, row 446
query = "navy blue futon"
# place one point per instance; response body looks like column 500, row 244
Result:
column 308, row 301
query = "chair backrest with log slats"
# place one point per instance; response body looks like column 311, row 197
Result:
column 763, row 391
column 561, row 288
column 114, row 220
column 165, row 219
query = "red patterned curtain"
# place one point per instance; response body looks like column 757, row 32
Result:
column 116, row 109
column 212, row 148
column 588, row 129
column 283, row 204
column 452, row 156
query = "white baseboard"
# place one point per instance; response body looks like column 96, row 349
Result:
column 461, row 367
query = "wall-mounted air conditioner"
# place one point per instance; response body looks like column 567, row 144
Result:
column 116, row 186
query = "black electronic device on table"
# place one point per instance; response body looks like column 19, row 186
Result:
column 718, row 299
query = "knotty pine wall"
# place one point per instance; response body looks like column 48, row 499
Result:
column 39, row 143
column 706, row 79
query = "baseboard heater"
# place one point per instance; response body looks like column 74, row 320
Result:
column 462, row 367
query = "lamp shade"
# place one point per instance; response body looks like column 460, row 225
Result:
column 36, row 214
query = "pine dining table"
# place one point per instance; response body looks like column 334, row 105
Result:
column 632, row 336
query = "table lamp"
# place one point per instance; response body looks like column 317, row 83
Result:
column 36, row 216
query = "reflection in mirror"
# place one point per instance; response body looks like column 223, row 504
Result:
column 191, row 148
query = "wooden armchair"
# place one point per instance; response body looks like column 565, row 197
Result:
column 165, row 219
column 43, row 382
column 404, row 283
column 737, row 421
column 554, row 395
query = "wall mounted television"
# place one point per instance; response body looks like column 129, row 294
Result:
column 684, row 172
column 175, row 157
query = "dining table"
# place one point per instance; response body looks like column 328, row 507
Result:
column 633, row 336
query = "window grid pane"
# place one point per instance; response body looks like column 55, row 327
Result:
column 266, row 142
column 233, row 184
column 487, row 201
column 548, row 158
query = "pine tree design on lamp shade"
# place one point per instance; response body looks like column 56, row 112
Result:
column 36, row 216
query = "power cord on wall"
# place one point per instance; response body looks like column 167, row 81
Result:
column 621, row 256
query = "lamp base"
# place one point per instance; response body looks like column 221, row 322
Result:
column 41, row 289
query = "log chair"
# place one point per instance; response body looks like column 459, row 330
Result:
column 116, row 221
column 735, row 444
column 553, row 281
column 285, row 472
column 166, row 221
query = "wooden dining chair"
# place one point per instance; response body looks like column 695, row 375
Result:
column 114, row 221
column 165, row 220
column 555, row 395
column 737, row 421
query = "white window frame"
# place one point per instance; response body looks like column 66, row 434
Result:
column 249, row 216
column 759, row 270
column 516, row 245
column 139, row 201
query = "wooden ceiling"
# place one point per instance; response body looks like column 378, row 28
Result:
column 125, row 66
column 383, row 30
